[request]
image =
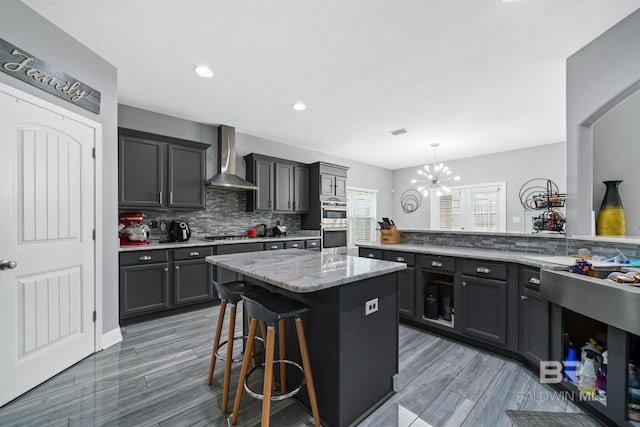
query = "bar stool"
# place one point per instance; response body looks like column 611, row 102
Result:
column 230, row 293
column 273, row 308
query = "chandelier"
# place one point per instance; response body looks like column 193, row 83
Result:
column 432, row 177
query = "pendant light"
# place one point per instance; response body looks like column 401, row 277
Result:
column 431, row 178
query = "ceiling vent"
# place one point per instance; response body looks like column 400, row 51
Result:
column 398, row 132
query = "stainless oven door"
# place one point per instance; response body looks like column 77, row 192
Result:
column 334, row 240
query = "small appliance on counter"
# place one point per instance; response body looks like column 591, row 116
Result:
column 179, row 231
column 279, row 230
column 261, row 230
column 132, row 230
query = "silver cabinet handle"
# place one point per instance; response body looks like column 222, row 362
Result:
column 145, row 258
column 295, row 245
column 436, row 264
column 177, row 267
column 534, row 280
column 289, row 204
column 523, row 297
column 160, row 196
column 399, row 259
column 464, row 284
column 371, row 256
column 483, row 270
column 194, row 253
column 171, row 197
column 166, row 269
column 274, row 247
column 313, row 244
column 8, row 264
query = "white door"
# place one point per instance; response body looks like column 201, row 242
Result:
column 47, row 283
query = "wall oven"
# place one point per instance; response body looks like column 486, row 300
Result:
column 333, row 226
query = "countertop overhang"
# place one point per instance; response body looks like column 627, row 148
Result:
column 302, row 271
column 615, row 304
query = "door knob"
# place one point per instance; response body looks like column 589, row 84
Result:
column 7, row 264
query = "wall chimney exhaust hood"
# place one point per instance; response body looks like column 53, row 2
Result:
column 226, row 177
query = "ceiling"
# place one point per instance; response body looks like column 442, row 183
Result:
column 475, row 76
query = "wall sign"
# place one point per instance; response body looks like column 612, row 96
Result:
column 28, row 68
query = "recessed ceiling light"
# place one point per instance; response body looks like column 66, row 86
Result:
column 299, row 106
column 203, row 71
column 509, row 1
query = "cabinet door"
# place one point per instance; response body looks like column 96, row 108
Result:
column 340, row 186
column 295, row 244
column 283, row 187
column 143, row 288
column 326, row 185
column 264, row 181
column 484, row 309
column 534, row 330
column 191, row 282
column 140, row 172
column 301, row 189
column 406, row 292
column 186, row 176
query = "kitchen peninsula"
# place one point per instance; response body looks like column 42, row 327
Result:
column 354, row 355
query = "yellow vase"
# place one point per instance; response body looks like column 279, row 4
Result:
column 611, row 219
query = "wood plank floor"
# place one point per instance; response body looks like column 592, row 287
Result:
column 157, row 377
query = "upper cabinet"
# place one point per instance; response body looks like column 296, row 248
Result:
column 156, row 171
column 333, row 180
column 283, row 186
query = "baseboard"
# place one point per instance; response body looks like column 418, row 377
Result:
column 110, row 338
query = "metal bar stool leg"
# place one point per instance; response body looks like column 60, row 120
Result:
column 268, row 376
column 282, row 356
column 302, row 343
column 216, row 341
column 227, row 372
column 243, row 371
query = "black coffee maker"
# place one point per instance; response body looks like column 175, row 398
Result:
column 179, row 231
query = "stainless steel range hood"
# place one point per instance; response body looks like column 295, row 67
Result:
column 226, row 177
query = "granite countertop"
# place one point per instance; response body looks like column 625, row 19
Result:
column 199, row 241
column 549, row 262
column 304, row 271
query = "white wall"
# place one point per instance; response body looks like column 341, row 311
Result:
column 616, row 155
column 24, row 28
column 513, row 167
column 599, row 77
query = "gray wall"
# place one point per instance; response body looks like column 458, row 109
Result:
column 513, row 167
column 26, row 29
column 616, row 153
column 599, row 77
column 359, row 175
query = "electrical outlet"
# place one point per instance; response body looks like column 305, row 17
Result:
column 371, row 306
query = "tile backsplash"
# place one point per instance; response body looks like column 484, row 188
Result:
column 225, row 214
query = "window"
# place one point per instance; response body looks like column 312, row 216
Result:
column 474, row 208
column 361, row 215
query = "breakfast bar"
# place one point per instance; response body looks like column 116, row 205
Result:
column 351, row 329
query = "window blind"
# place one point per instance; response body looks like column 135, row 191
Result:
column 361, row 215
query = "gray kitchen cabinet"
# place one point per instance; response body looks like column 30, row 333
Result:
column 192, row 275
column 406, row 281
column 533, row 337
column 271, row 246
column 226, row 276
column 156, row 171
column 437, row 295
column 294, row 244
column 312, row 244
column 370, row 253
column 144, row 282
column 333, row 181
column 487, row 307
column 283, row 185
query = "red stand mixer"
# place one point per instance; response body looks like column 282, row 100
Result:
column 132, row 230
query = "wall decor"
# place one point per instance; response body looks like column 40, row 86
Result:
column 410, row 200
column 611, row 218
column 26, row 67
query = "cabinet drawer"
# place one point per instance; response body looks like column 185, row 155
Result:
column 490, row 270
column 530, row 277
column 438, row 263
column 196, row 252
column 273, row 246
column 409, row 259
column 294, row 244
column 238, row 248
column 370, row 253
column 312, row 244
column 143, row 257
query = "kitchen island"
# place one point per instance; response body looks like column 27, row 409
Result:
column 354, row 355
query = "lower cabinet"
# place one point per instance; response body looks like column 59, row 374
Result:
column 533, row 337
column 157, row 280
column 144, row 282
column 483, row 309
column 191, row 276
column 406, row 282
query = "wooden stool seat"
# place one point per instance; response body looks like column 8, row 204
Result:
column 230, row 293
column 272, row 309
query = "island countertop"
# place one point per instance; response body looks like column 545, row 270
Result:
column 303, row 271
